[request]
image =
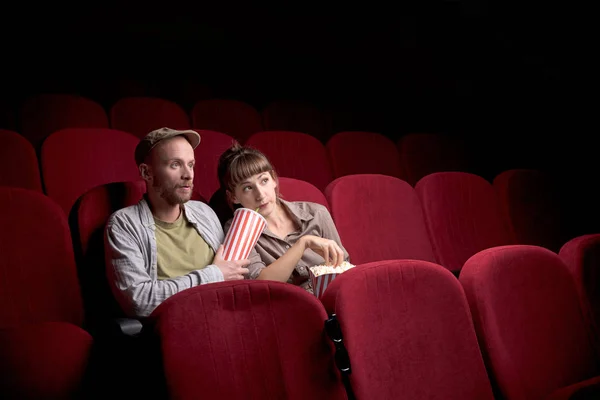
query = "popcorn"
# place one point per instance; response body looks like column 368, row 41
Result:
column 322, row 275
column 319, row 270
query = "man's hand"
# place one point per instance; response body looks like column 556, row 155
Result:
column 231, row 270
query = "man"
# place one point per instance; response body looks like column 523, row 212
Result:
column 165, row 243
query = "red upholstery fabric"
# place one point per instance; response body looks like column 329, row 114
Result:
column 284, row 115
column 421, row 343
column 207, row 154
column 43, row 114
column 39, row 279
column 141, row 115
column 582, row 256
column 76, row 160
column 96, row 205
column 292, row 189
column 18, row 162
column 462, row 215
column 295, row 155
column 584, row 390
column 232, row 117
column 246, row 339
column 43, row 361
column 378, row 218
column 363, row 153
column 422, row 154
column 530, row 201
column 92, row 211
column 528, row 319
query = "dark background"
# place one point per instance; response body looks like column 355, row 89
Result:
column 515, row 77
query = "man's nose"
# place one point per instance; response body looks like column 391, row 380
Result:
column 188, row 173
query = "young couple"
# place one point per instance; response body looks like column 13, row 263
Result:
column 168, row 243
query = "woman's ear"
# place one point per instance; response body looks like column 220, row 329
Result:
column 231, row 197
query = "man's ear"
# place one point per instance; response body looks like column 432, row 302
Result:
column 145, row 172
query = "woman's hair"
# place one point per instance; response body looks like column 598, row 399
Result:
column 239, row 163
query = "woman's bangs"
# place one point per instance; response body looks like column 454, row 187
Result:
column 248, row 166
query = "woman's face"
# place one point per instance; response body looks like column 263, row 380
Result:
column 258, row 191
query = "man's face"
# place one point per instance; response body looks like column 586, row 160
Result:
column 170, row 170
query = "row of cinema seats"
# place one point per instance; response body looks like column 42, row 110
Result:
column 294, row 154
column 74, row 160
column 521, row 206
column 446, row 218
column 448, row 234
column 539, row 209
column 40, row 115
column 514, row 325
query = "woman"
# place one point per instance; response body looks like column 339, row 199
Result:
column 298, row 234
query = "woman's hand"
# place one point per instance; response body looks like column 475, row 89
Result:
column 326, row 248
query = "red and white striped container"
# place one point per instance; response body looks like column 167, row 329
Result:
column 246, row 228
column 320, row 283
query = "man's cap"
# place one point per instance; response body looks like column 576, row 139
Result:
column 155, row 137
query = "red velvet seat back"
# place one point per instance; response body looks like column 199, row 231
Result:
column 298, row 190
column 378, row 218
column 530, row 200
column 232, row 117
column 357, row 152
column 39, row 280
column 528, row 320
column 581, row 255
column 19, row 165
column 463, row 216
column 407, row 327
column 77, row 160
column 43, row 114
column 295, row 155
column 141, row 115
column 246, row 340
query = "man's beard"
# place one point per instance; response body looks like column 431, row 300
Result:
column 170, row 195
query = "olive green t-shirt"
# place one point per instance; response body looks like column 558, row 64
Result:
column 180, row 248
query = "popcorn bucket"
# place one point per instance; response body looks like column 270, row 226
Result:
column 325, row 275
column 320, row 282
column 246, row 228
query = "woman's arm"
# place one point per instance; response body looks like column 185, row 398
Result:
column 282, row 268
column 329, row 231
